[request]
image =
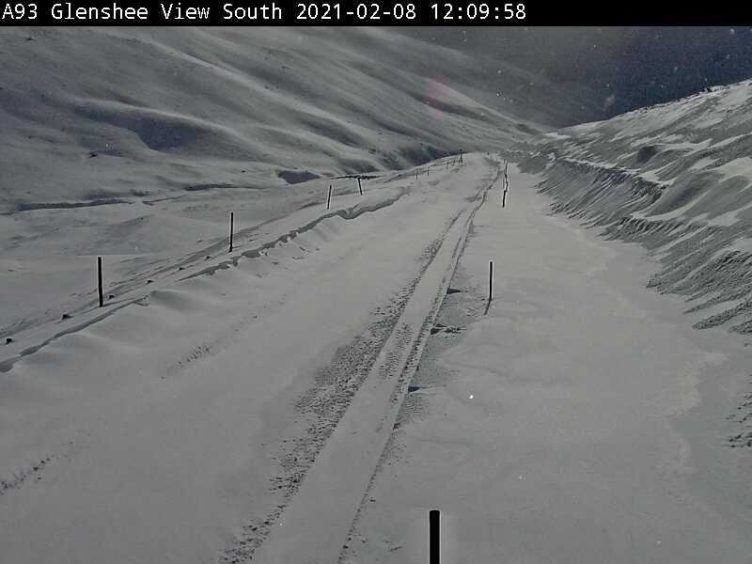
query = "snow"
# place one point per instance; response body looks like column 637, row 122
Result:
column 700, row 168
column 728, row 141
column 556, row 135
column 254, row 404
column 156, row 432
column 653, row 177
column 177, row 107
column 727, row 219
column 361, row 435
column 136, row 144
column 231, row 412
column 540, row 436
column 735, row 98
column 705, row 162
column 737, row 167
column 743, row 244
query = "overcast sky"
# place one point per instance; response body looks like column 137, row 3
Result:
column 627, row 67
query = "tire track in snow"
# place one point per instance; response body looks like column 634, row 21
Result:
column 323, row 405
column 400, row 392
column 325, row 489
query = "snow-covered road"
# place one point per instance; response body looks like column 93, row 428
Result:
column 579, row 421
column 239, row 415
column 180, row 427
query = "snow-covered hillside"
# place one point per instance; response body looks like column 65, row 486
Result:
column 136, row 144
column 97, row 114
column 676, row 178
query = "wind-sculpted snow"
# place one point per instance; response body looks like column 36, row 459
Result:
column 373, row 204
column 677, row 179
column 156, row 110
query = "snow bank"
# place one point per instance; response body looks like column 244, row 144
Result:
column 678, row 179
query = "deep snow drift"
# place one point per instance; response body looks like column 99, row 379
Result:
column 676, row 178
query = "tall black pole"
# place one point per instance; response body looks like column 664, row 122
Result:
column 434, row 536
column 99, row 281
column 360, row 188
column 329, row 198
column 232, row 222
column 490, row 280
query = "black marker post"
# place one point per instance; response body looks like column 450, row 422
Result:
column 490, row 280
column 434, row 537
column 232, row 223
column 329, row 198
column 99, row 281
column 490, row 287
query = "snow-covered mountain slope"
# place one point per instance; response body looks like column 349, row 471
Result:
column 136, row 144
column 99, row 114
column 677, row 178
